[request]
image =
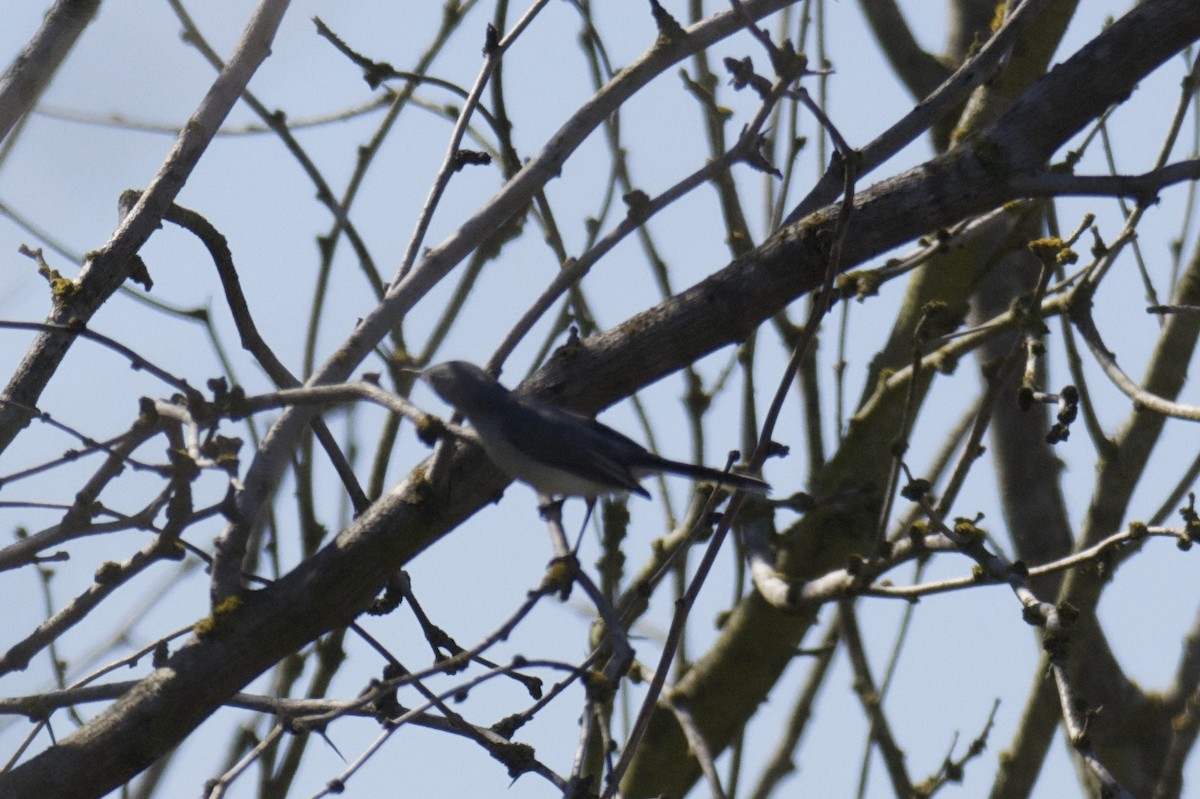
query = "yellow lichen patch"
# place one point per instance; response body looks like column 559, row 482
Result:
column 220, row 618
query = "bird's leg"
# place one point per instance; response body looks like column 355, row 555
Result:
column 551, row 512
column 591, row 505
column 549, row 507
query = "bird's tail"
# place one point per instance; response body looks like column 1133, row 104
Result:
column 742, row 482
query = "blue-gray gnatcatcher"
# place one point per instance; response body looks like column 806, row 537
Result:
column 557, row 452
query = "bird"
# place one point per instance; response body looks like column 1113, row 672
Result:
column 558, row 452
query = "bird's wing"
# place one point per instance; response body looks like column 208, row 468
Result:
column 563, row 435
